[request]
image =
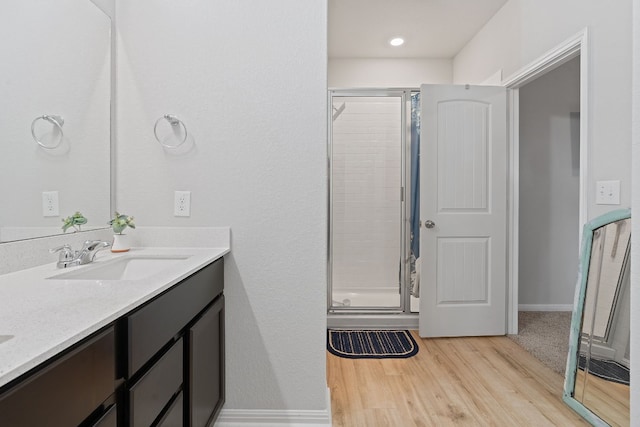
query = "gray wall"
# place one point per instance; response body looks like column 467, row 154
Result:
column 388, row 72
column 249, row 79
column 549, row 186
column 525, row 30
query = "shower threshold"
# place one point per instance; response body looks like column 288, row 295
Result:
column 351, row 320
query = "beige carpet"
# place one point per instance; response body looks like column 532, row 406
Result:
column 545, row 334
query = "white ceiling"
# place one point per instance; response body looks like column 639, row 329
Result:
column 431, row 28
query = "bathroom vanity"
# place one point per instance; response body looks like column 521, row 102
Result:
column 172, row 351
column 136, row 351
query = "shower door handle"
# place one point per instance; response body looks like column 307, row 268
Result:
column 429, row 224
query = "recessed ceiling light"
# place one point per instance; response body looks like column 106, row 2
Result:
column 397, row 41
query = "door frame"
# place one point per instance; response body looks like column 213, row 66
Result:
column 405, row 101
column 576, row 45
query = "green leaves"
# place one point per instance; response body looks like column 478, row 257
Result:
column 120, row 222
column 75, row 221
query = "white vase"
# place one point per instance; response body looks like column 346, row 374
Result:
column 120, row 243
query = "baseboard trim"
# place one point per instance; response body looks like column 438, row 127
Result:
column 275, row 417
column 545, row 307
column 268, row 418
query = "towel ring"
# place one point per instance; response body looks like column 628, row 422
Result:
column 57, row 121
column 173, row 121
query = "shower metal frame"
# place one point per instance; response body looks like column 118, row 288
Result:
column 405, row 298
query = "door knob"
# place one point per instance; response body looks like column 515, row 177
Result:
column 429, row 224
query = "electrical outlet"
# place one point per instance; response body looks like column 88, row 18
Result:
column 182, row 203
column 50, row 206
column 608, row 192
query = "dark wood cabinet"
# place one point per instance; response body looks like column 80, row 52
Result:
column 156, row 323
column 67, row 391
column 149, row 395
column 109, row 419
column 173, row 353
column 174, row 416
column 205, row 380
column 161, row 364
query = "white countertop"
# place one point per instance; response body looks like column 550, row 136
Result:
column 46, row 316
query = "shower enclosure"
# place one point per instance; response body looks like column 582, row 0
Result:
column 373, row 234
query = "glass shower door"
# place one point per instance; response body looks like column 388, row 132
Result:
column 366, row 200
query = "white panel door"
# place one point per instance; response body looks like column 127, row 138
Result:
column 463, row 168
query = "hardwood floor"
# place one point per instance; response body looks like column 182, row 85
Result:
column 487, row 381
column 608, row 400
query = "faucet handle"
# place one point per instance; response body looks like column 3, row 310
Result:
column 91, row 245
column 89, row 250
column 67, row 254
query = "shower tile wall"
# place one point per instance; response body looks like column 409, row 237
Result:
column 366, row 181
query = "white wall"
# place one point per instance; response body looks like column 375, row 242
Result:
column 549, row 187
column 249, row 80
column 56, row 60
column 366, row 180
column 387, row 72
column 635, row 233
column 107, row 6
column 523, row 30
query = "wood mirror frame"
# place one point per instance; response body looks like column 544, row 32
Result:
column 578, row 311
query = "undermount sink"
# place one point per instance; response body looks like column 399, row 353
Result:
column 4, row 338
column 125, row 268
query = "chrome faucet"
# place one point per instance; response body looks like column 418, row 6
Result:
column 89, row 250
column 69, row 257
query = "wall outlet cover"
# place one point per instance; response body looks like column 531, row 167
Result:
column 50, row 205
column 608, row 192
column 182, row 203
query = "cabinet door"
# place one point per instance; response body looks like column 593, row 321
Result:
column 206, row 366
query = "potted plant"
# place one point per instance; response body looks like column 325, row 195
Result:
column 119, row 223
column 75, row 221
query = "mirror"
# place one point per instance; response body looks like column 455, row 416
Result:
column 598, row 368
column 55, row 88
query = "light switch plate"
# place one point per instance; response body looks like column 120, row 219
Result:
column 50, row 205
column 182, row 203
column 608, row 192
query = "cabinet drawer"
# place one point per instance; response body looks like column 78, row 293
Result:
column 174, row 416
column 67, row 391
column 109, row 419
column 155, row 324
column 153, row 391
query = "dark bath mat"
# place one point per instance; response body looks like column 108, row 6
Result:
column 379, row 344
column 606, row 369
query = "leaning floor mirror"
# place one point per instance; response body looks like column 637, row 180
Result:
column 597, row 378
